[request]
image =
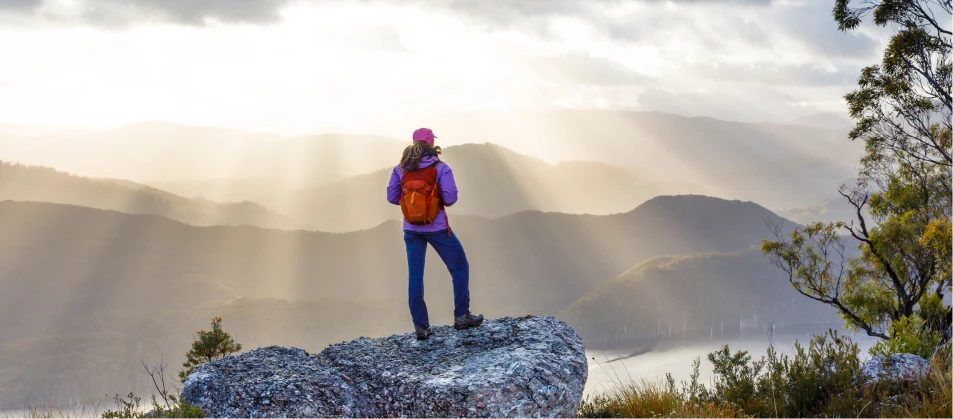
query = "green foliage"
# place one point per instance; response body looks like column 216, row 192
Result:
column 736, row 376
column 901, row 271
column 820, row 380
column 803, row 385
column 815, row 381
column 129, row 407
column 902, row 108
column 909, row 335
column 209, row 346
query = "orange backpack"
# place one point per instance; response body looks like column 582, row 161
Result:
column 420, row 195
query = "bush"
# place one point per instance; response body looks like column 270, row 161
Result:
column 822, row 379
column 909, row 335
column 209, row 346
column 175, row 408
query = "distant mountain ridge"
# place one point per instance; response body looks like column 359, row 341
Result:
column 117, row 286
column 509, row 255
column 41, row 184
column 493, row 182
column 154, row 151
column 829, row 120
column 780, row 166
column 705, row 296
column 836, row 209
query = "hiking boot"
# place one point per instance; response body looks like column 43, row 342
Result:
column 422, row 332
column 467, row 321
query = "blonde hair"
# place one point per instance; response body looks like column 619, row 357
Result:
column 414, row 152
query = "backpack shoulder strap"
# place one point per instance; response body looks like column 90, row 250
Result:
column 436, row 173
column 424, row 173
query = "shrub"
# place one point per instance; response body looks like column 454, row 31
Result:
column 908, row 335
column 130, row 407
column 822, row 379
column 209, row 346
column 808, row 383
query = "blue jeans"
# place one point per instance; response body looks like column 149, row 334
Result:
column 451, row 251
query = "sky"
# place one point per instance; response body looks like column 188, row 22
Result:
column 296, row 67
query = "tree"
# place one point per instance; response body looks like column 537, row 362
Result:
column 902, row 110
column 209, row 346
column 903, row 106
column 895, row 275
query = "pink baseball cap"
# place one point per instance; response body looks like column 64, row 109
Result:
column 425, row 135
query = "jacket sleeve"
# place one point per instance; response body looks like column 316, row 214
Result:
column 393, row 188
column 448, row 186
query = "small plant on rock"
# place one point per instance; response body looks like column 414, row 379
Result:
column 209, row 346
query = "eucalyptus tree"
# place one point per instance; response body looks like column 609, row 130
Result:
column 902, row 108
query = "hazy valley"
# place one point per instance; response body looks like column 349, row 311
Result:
column 130, row 253
column 143, row 282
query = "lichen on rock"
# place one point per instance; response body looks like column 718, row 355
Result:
column 508, row 367
column 905, row 367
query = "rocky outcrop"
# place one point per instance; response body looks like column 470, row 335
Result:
column 509, row 367
column 898, row 367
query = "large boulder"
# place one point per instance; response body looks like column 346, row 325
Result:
column 902, row 367
column 509, row 367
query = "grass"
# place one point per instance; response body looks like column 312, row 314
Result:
column 645, row 399
column 49, row 413
column 128, row 407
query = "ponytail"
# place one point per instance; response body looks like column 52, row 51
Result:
column 414, row 152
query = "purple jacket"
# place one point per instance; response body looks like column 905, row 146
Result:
column 448, row 192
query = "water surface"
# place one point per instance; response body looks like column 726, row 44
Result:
column 608, row 368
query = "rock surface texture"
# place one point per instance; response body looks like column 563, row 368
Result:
column 898, row 367
column 509, row 367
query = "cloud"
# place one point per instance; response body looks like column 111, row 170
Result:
column 717, row 23
column 496, row 12
column 812, row 25
column 124, row 12
column 778, row 74
column 578, row 68
column 356, row 60
column 19, row 5
column 507, row 10
column 727, row 103
column 194, row 12
column 587, row 69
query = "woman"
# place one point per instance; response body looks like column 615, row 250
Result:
column 423, row 185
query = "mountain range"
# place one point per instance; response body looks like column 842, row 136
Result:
column 715, row 294
column 780, row 166
column 117, row 286
column 141, row 234
column 831, row 210
column 193, row 161
column 41, row 184
column 493, row 182
column 531, row 260
column 830, row 120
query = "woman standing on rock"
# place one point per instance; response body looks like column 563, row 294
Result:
column 423, row 185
